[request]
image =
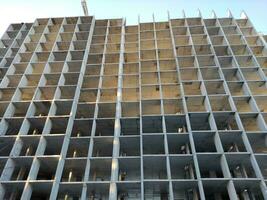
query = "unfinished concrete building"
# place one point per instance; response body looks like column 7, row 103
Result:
column 97, row 109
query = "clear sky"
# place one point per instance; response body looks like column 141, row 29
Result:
column 27, row 10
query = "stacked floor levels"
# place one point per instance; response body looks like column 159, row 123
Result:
column 96, row 109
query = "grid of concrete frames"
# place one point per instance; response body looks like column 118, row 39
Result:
column 96, row 109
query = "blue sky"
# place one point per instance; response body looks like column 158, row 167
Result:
column 27, row 10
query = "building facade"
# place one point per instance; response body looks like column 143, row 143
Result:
column 96, row 109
